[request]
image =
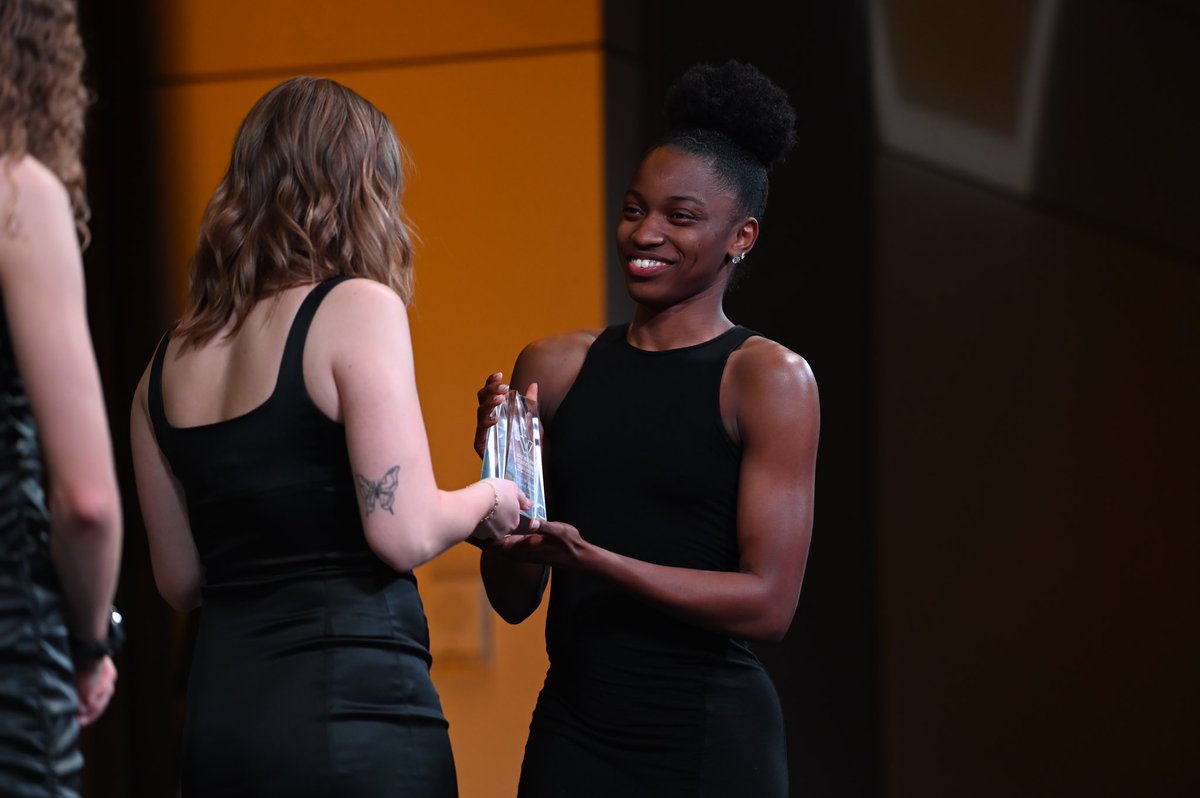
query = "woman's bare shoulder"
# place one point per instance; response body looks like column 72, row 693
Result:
column 358, row 310
column 553, row 362
column 364, row 294
column 27, row 182
column 32, row 201
column 774, row 396
column 558, row 346
column 765, row 367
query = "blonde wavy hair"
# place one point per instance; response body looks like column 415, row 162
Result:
column 42, row 96
column 313, row 190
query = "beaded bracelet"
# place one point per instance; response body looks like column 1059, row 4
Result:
column 495, row 504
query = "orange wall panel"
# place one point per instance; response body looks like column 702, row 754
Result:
column 210, row 37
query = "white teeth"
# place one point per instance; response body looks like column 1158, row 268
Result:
column 645, row 263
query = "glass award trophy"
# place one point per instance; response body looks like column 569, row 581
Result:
column 514, row 450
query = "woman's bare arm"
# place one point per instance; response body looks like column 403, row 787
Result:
column 41, row 279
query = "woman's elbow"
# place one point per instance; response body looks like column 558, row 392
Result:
column 183, row 601
column 182, row 593
column 399, row 549
column 512, row 612
column 771, row 633
column 771, row 624
column 94, row 510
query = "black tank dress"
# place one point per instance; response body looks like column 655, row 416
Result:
column 39, row 736
column 310, row 674
column 635, row 702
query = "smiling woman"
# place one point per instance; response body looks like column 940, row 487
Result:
column 674, row 217
column 680, row 458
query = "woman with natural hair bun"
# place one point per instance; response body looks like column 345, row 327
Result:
column 60, row 512
column 284, row 473
column 680, row 453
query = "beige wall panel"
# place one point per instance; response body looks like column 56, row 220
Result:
column 210, row 37
column 506, row 195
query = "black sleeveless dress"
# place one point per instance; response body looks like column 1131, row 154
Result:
column 310, row 674
column 635, row 702
column 39, row 735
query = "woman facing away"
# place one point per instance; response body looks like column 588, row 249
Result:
column 680, row 455
column 59, row 548
column 284, row 473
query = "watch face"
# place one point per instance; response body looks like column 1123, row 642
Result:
column 116, row 631
column 110, row 645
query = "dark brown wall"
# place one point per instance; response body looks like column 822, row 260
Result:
column 1038, row 373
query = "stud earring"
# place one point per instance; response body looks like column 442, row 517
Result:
column 736, row 259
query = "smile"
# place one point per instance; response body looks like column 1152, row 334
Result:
column 647, row 265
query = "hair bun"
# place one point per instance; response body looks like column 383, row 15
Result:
column 739, row 101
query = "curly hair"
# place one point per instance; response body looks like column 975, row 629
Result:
column 42, row 95
column 313, row 190
column 735, row 117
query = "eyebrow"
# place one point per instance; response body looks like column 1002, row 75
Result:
column 674, row 198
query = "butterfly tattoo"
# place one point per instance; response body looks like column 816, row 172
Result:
column 382, row 492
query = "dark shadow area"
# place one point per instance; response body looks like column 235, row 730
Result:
column 1038, row 351
column 132, row 750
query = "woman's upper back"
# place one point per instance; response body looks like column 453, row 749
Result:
column 264, row 467
column 227, row 377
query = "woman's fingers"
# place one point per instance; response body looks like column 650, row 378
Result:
column 492, row 388
column 490, row 396
column 96, row 690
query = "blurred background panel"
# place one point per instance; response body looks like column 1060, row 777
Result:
column 1038, row 366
